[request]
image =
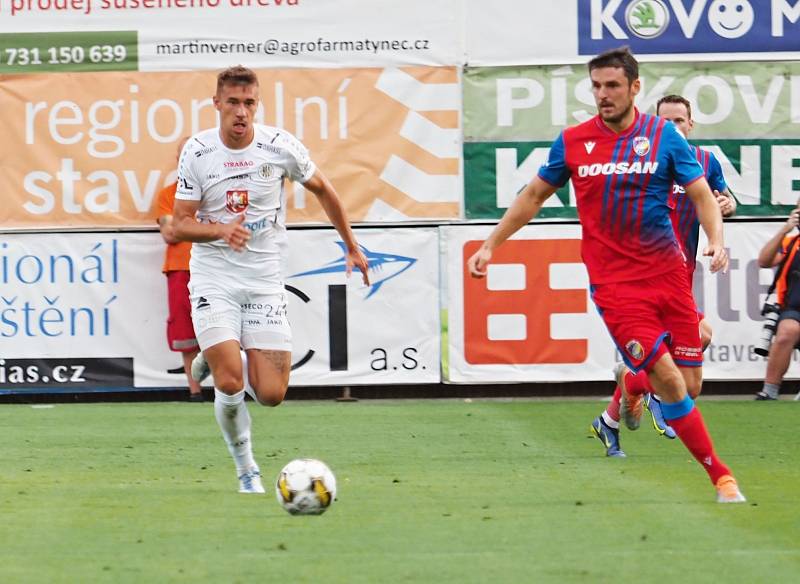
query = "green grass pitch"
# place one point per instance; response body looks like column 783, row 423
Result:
column 429, row 492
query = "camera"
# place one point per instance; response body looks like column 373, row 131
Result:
column 770, row 312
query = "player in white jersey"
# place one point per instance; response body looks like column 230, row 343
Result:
column 230, row 202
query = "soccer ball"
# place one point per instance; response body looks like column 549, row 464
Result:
column 305, row 487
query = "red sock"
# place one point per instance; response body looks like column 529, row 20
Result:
column 692, row 431
column 637, row 383
column 613, row 408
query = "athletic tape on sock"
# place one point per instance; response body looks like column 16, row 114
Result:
column 677, row 410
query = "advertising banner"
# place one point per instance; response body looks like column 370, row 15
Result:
column 532, row 320
column 93, row 149
column 747, row 114
column 693, row 26
column 557, row 32
column 170, row 35
column 345, row 333
column 175, row 35
column 83, row 311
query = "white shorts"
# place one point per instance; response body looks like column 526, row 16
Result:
column 256, row 319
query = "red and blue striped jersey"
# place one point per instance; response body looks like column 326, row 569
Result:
column 623, row 184
column 684, row 213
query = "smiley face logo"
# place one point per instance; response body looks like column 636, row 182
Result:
column 730, row 19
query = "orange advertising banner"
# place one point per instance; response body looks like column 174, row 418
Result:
column 85, row 150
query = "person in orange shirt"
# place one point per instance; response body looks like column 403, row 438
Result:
column 781, row 250
column 180, row 332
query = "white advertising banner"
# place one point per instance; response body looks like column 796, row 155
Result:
column 158, row 35
column 346, row 333
column 532, row 319
column 168, row 35
column 87, row 311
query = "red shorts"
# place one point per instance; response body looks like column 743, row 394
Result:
column 180, row 333
column 648, row 317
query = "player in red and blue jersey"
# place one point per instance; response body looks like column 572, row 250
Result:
column 677, row 110
column 622, row 164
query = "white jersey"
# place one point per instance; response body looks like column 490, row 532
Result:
column 231, row 182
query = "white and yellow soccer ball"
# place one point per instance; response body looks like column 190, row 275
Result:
column 305, row 486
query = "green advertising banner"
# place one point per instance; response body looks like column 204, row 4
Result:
column 764, row 176
column 747, row 114
column 38, row 52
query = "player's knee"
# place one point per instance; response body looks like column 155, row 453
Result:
column 694, row 389
column 784, row 338
column 272, row 395
column 228, row 382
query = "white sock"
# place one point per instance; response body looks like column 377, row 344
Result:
column 234, row 421
column 773, row 390
column 609, row 422
column 247, row 387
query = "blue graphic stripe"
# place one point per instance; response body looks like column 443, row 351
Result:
column 622, row 154
column 703, row 158
column 640, row 181
column 627, row 197
column 650, row 204
column 686, row 209
column 683, row 363
column 688, row 221
column 634, row 185
column 607, row 191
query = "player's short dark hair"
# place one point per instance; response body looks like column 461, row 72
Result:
column 620, row 58
column 237, row 75
column 673, row 98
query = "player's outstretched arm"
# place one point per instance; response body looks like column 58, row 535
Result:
column 710, row 217
column 332, row 205
column 524, row 208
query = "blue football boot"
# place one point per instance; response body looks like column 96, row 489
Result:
column 608, row 436
column 653, row 405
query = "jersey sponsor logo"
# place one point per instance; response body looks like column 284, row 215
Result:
column 257, row 225
column 236, row 201
column 635, row 349
column 687, row 352
column 204, row 151
column 269, row 148
column 238, row 163
column 610, row 168
column 641, row 145
column 647, row 19
column 589, row 147
column 677, row 189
